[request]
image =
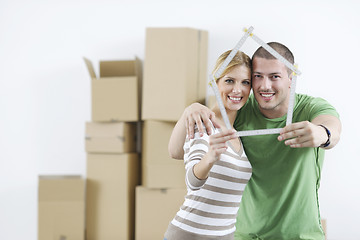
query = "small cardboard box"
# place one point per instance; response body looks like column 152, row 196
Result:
column 323, row 225
column 175, row 71
column 110, row 137
column 110, row 195
column 116, row 94
column 61, row 210
column 159, row 170
column 148, row 204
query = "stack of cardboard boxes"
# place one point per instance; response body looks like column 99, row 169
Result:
column 175, row 75
column 127, row 144
column 111, row 142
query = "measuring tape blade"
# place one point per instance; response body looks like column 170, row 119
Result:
column 258, row 132
column 275, row 54
column 291, row 100
column 220, row 103
column 233, row 53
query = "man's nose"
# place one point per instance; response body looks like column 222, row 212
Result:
column 266, row 83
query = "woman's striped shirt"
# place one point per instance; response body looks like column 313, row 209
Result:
column 211, row 205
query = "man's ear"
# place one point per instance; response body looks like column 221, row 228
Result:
column 290, row 78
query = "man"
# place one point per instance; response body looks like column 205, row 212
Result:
column 281, row 199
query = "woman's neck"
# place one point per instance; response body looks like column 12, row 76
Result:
column 231, row 115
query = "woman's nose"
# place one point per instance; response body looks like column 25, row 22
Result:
column 236, row 88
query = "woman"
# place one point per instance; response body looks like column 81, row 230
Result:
column 217, row 169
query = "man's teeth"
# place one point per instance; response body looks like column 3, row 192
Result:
column 235, row 98
column 266, row 94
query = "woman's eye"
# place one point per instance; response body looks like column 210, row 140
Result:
column 229, row 81
column 246, row 82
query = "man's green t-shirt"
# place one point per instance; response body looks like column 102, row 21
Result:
column 281, row 198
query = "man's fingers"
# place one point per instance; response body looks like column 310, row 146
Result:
column 190, row 128
column 206, row 120
column 214, row 121
column 291, row 134
column 293, row 126
column 303, row 141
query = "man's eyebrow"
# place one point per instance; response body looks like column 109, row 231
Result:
column 277, row 73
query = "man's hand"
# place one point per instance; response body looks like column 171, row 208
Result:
column 197, row 114
column 310, row 134
column 303, row 134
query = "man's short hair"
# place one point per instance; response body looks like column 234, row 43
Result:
column 278, row 47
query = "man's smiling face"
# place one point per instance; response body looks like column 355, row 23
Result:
column 271, row 86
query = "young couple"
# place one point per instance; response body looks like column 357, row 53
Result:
column 282, row 173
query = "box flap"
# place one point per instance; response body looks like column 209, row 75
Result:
column 117, row 68
column 90, row 67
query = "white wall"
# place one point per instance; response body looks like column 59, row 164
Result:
column 45, row 87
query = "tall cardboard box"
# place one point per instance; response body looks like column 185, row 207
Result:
column 158, row 169
column 175, row 71
column 155, row 208
column 110, row 196
column 119, row 137
column 61, row 209
column 116, row 94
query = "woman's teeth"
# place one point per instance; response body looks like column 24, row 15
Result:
column 235, row 98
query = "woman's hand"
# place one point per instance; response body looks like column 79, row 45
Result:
column 217, row 146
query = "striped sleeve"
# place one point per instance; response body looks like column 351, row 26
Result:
column 194, row 150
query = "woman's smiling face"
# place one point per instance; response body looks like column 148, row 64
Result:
column 234, row 87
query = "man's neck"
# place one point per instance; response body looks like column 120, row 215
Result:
column 273, row 113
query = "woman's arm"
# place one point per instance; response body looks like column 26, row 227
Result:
column 201, row 155
column 217, row 146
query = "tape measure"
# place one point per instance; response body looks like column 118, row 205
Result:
column 258, row 132
column 212, row 83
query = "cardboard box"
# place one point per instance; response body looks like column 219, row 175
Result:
column 110, row 137
column 110, row 195
column 148, row 205
column 175, row 71
column 211, row 101
column 323, row 225
column 158, row 169
column 116, row 94
column 61, row 210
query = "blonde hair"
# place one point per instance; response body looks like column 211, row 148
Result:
column 240, row 59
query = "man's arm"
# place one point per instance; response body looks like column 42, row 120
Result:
column 177, row 139
column 197, row 114
column 311, row 134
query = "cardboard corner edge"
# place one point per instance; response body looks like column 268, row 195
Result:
column 90, row 67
